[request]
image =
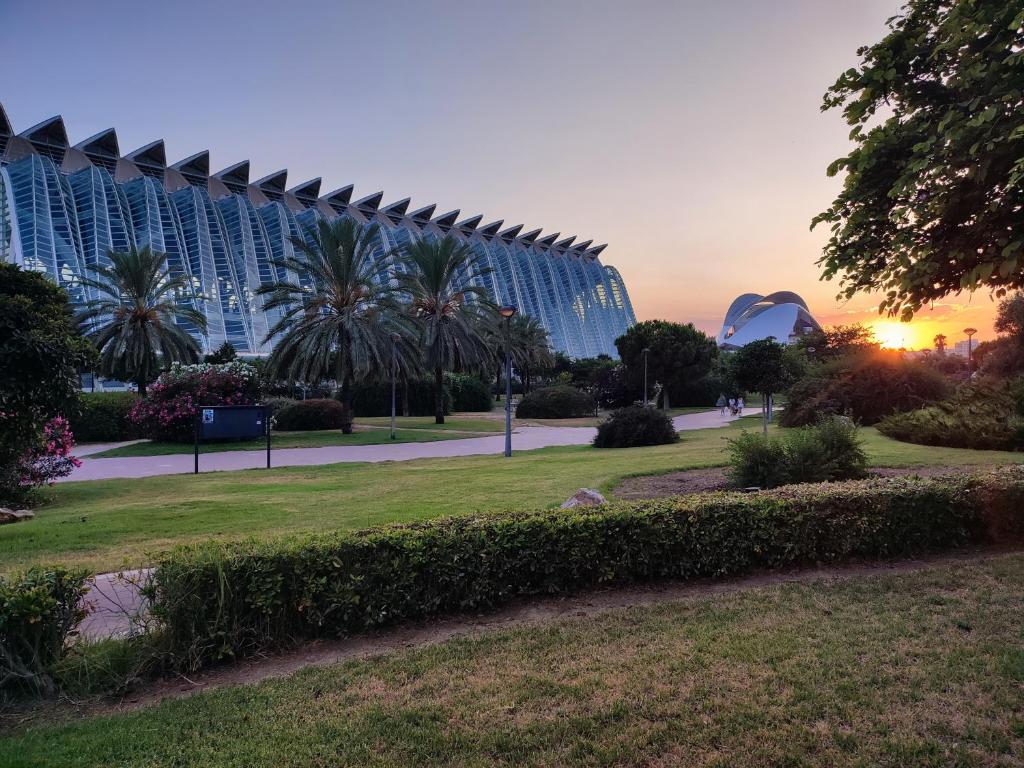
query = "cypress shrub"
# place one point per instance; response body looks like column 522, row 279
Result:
column 217, row 600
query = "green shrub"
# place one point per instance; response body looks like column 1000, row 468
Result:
column 220, row 600
column 305, row 415
column 37, row 610
column 866, row 387
column 634, row 426
column 827, row 451
column 985, row 415
column 557, row 402
column 468, row 393
column 374, row 399
column 104, row 417
column 278, row 404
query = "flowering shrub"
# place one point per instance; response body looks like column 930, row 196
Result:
column 41, row 464
column 169, row 409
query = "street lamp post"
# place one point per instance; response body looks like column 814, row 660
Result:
column 508, row 313
column 970, row 351
column 646, row 351
column 394, row 378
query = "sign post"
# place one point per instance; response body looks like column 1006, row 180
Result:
column 231, row 422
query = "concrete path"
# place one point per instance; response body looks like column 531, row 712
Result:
column 524, row 439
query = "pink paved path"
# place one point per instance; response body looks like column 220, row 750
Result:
column 523, row 439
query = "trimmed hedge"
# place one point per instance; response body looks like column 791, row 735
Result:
column 104, row 416
column 37, row 611
column 216, row 601
column 374, row 399
column 558, row 402
column 305, row 415
column 468, row 393
column 635, row 426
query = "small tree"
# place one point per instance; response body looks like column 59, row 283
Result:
column 940, row 343
column 677, row 354
column 762, row 366
column 225, row 353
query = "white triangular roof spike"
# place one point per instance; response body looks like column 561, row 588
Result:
column 597, row 249
column 398, row 207
column 448, row 219
column 308, row 189
column 566, row 242
column 197, row 164
column 530, row 236
column 510, row 232
column 470, row 223
column 424, row 213
column 341, row 196
column 370, row 201
column 273, row 182
column 103, row 143
column 153, row 153
column 237, row 173
column 50, row 131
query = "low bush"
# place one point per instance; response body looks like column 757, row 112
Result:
column 556, row 402
column 104, row 417
column 414, row 398
column 278, row 404
column 866, row 387
column 468, row 393
column 37, row 611
column 168, row 411
column 827, row 451
column 635, row 426
column 219, row 600
column 987, row 415
column 305, row 415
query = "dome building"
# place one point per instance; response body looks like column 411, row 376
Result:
column 783, row 316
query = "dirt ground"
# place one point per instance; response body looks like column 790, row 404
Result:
column 715, row 479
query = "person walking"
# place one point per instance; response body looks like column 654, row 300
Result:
column 721, row 403
column 732, row 406
column 739, row 406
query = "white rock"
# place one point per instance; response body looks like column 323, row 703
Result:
column 584, row 497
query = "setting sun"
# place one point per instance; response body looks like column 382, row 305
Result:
column 894, row 335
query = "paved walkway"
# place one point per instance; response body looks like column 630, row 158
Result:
column 524, row 439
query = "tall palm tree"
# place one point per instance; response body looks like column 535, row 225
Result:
column 940, row 343
column 133, row 321
column 338, row 317
column 530, row 347
column 450, row 325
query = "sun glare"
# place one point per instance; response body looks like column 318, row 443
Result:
column 893, row 335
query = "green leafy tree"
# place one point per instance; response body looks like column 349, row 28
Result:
column 762, row 366
column 134, row 321
column 337, row 320
column 450, row 326
column 225, row 353
column 679, row 354
column 41, row 352
column 837, row 341
column 934, row 187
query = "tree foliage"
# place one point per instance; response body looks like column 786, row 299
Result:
column 762, row 366
column 134, row 320
column 679, row 354
column 931, row 204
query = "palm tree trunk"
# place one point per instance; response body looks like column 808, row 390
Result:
column 438, row 395
column 140, row 385
column 405, row 396
column 346, row 404
column 497, row 385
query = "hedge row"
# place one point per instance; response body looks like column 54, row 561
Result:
column 104, row 416
column 218, row 601
column 37, row 611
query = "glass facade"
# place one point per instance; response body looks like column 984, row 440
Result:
column 62, row 209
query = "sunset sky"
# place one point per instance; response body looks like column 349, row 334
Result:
column 687, row 135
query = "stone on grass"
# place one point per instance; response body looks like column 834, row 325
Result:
column 14, row 515
column 584, row 497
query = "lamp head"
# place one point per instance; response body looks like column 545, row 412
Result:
column 970, row 331
column 507, row 312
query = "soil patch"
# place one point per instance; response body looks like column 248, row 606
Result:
column 715, row 479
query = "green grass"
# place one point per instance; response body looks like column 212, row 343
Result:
column 918, row 669
column 108, row 524
column 312, row 439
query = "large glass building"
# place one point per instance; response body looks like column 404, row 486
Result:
column 63, row 207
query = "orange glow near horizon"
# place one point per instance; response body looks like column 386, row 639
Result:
column 891, row 334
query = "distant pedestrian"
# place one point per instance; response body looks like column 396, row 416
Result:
column 739, row 406
column 732, row 405
column 721, row 403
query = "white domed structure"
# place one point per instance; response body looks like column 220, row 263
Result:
column 783, row 316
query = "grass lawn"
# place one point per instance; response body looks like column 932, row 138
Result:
column 108, row 524
column 919, row 669
column 311, row 439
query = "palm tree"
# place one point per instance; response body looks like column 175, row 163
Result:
column 450, row 325
column 338, row 319
column 134, row 320
column 940, row 343
column 530, row 347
